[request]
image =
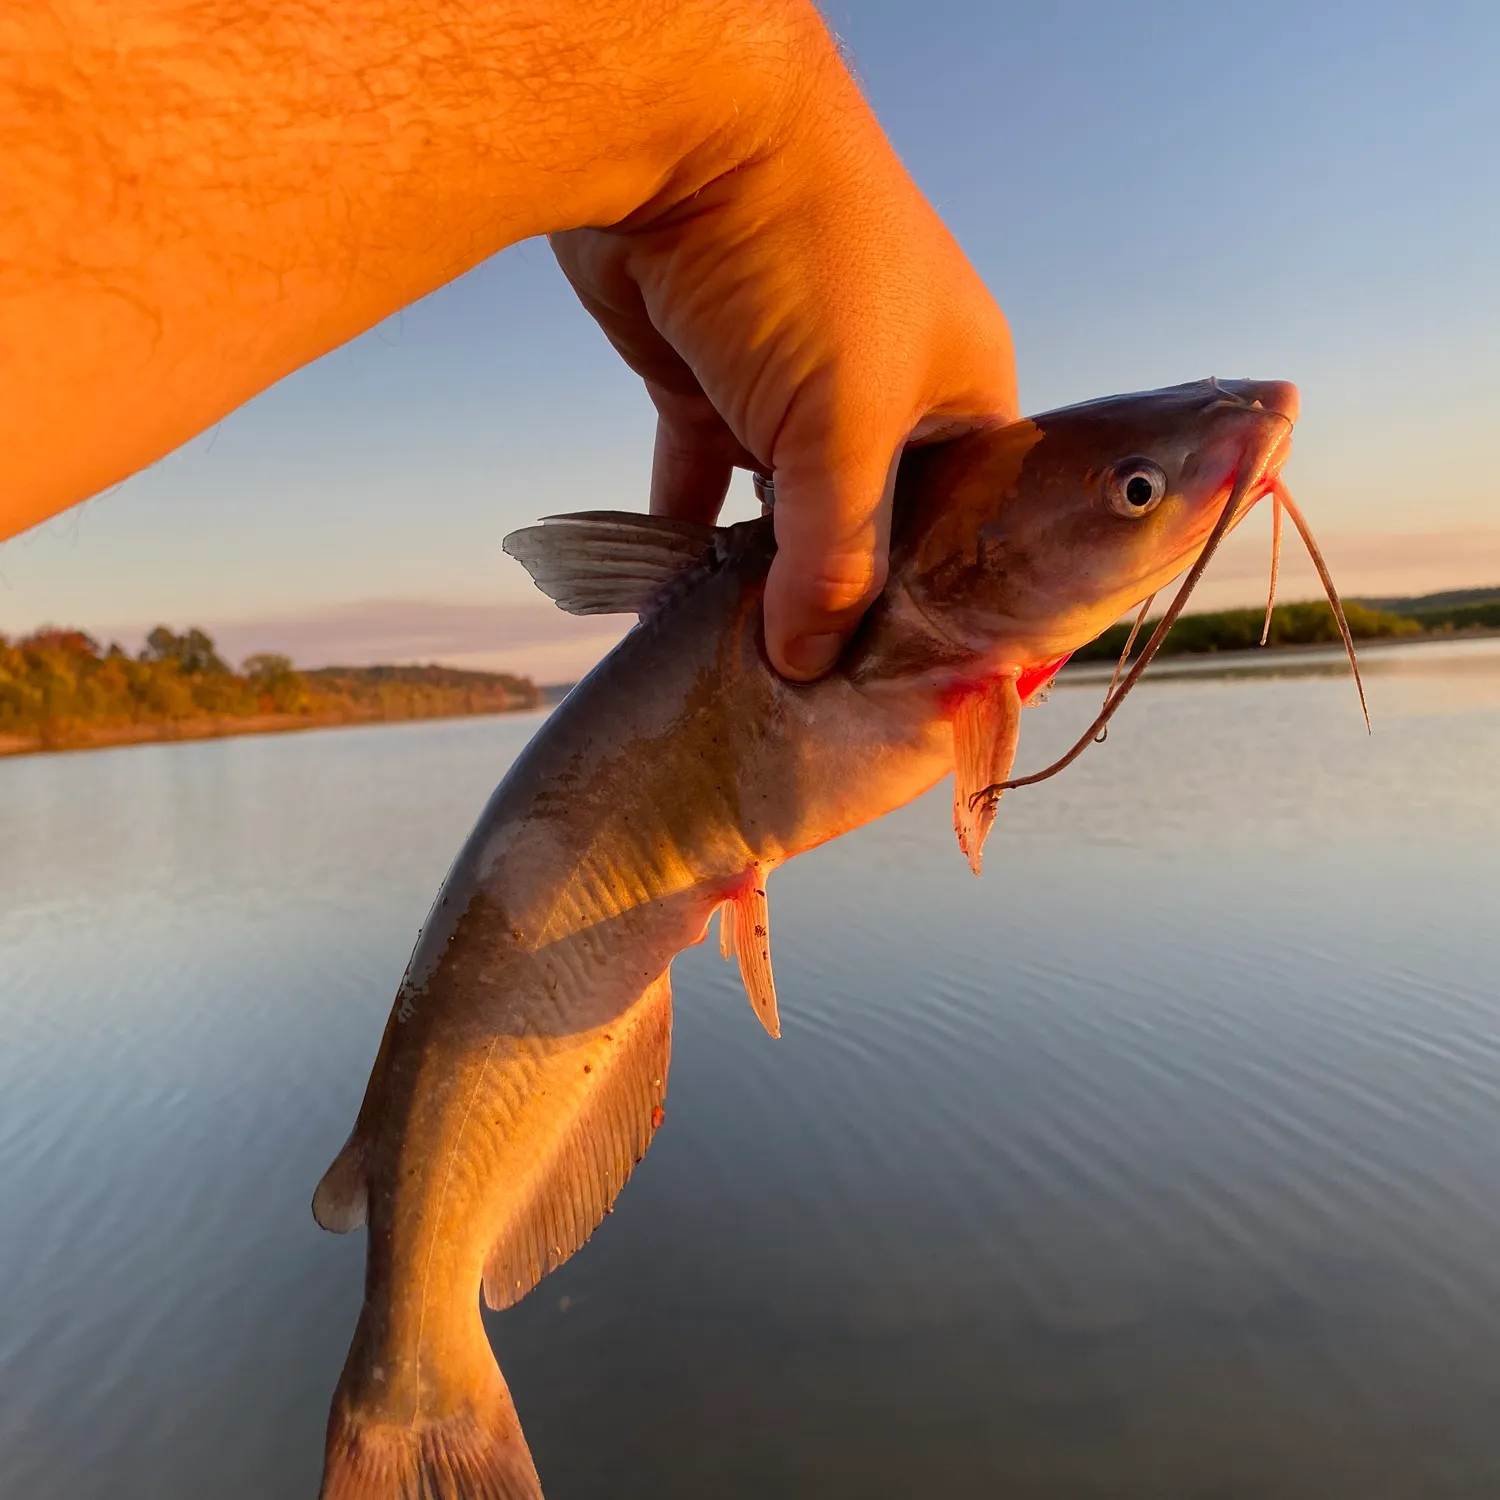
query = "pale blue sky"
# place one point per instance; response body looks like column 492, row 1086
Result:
column 1154, row 192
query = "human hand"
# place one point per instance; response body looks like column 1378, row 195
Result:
column 257, row 186
column 804, row 312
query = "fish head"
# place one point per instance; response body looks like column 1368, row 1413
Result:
column 1033, row 538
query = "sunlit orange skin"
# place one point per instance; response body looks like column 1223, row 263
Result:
column 200, row 196
column 681, row 765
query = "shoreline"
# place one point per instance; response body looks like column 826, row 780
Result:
column 1103, row 667
column 1303, row 660
column 185, row 731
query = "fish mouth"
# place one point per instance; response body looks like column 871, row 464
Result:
column 1279, row 398
column 1277, row 403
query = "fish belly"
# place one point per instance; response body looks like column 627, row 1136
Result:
column 524, row 1068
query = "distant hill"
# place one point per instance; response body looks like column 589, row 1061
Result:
column 1408, row 604
column 510, row 691
column 1459, row 609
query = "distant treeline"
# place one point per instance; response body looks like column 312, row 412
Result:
column 1437, row 606
column 1239, row 630
column 61, row 689
column 1308, row 625
column 1482, row 615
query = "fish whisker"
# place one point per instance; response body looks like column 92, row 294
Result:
column 1265, row 633
column 1135, row 630
column 1227, row 517
column 1285, row 501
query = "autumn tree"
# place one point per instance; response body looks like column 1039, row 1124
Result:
column 193, row 651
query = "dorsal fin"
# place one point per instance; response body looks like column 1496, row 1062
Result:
column 611, row 562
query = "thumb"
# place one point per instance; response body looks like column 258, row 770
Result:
column 833, row 523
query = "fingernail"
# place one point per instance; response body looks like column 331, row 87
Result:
column 811, row 655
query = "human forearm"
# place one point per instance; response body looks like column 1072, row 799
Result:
column 200, row 199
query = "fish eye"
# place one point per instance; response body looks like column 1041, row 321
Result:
column 1134, row 486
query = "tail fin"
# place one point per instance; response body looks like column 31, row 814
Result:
column 476, row 1453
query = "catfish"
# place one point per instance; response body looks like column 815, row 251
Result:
column 523, row 1070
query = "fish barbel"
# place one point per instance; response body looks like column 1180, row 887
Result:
column 523, row 1069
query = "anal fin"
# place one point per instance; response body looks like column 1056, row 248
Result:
column 745, row 933
column 587, row 1165
column 985, row 729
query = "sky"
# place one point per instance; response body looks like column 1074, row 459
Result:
column 1154, row 193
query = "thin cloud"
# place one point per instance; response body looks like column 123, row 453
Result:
column 536, row 640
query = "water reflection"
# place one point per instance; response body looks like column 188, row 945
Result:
column 1161, row 1162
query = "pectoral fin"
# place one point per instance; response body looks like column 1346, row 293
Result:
column 341, row 1201
column 985, row 730
column 745, row 932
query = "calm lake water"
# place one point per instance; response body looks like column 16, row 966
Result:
column 1162, row 1162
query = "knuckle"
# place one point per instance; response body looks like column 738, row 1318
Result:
column 841, row 584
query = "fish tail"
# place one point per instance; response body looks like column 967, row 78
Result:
column 472, row 1449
